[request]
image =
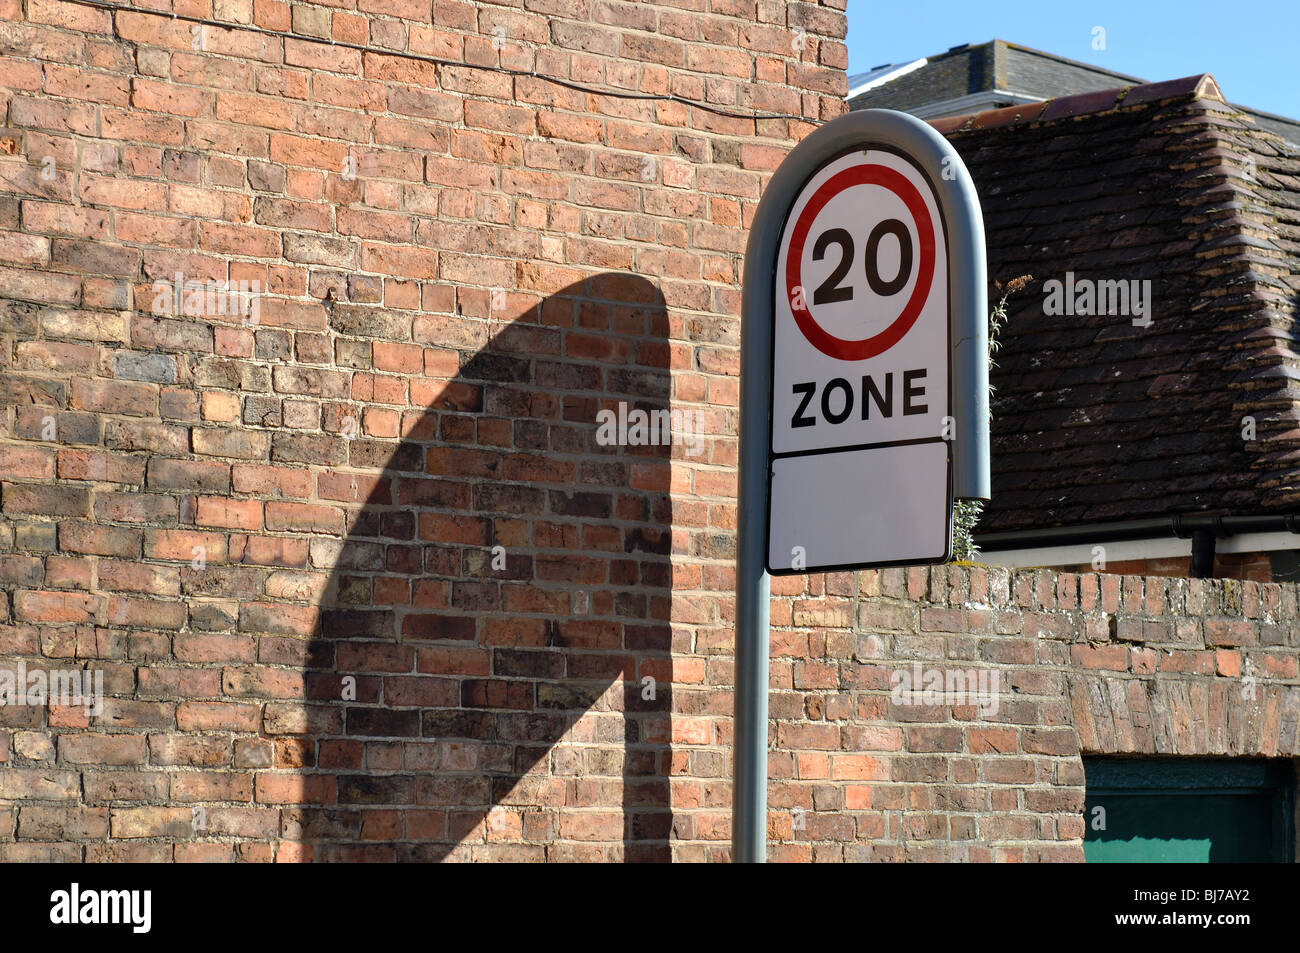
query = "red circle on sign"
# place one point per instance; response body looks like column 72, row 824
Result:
column 817, row 336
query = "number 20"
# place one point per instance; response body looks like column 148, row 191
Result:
column 830, row 290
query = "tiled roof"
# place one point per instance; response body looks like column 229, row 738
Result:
column 1096, row 419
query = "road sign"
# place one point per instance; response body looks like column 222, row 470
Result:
column 863, row 382
column 860, row 471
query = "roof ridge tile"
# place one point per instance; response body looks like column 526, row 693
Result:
column 1199, row 86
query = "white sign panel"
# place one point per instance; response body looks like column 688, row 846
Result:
column 861, row 418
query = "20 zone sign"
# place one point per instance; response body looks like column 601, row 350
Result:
column 860, row 376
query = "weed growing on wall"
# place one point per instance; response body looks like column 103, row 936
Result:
column 966, row 513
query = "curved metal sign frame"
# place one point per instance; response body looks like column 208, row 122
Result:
column 968, row 337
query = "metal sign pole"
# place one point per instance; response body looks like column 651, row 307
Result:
column 969, row 360
column 753, row 589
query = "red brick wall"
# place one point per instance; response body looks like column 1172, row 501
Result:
column 1087, row 663
column 274, row 537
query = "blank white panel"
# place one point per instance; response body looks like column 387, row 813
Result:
column 861, row 507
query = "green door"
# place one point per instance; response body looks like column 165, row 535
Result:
column 1188, row 810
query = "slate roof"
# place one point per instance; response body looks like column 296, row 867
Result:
column 1095, row 419
column 974, row 68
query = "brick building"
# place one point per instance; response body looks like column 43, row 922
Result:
column 1137, row 445
column 359, row 573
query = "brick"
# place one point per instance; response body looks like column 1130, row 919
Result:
column 115, row 398
column 118, row 749
column 44, row 501
column 21, row 570
column 271, row 481
column 303, row 518
column 39, row 784
column 132, row 822
column 33, row 463
column 188, row 475
column 194, row 750
column 118, row 575
column 229, row 514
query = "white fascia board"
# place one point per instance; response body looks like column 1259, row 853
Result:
column 1084, row 554
column 1257, row 543
column 972, row 103
column 889, row 77
column 1164, row 547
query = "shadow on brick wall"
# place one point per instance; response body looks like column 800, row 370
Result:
column 479, row 686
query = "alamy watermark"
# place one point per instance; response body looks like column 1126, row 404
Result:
column 75, row 906
column 69, row 688
column 633, row 427
column 1088, row 296
column 920, row 685
column 241, row 299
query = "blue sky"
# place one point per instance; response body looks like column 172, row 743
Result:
column 1250, row 48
